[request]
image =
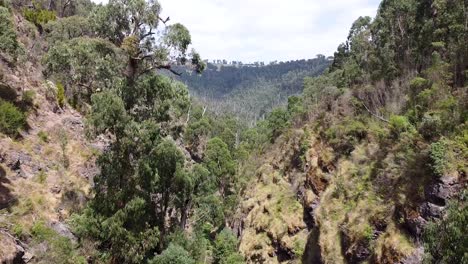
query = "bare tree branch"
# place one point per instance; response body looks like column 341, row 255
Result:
column 148, row 34
column 165, row 67
column 164, row 20
column 375, row 115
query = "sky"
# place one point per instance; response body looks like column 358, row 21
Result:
column 266, row 30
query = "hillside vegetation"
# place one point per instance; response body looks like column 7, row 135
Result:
column 106, row 157
column 251, row 92
column 378, row 151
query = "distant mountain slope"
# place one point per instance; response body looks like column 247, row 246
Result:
column 250, row 92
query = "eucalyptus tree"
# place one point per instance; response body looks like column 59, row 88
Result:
column 142, row 171
column 138, row 27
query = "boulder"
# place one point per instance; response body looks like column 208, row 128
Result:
column 430, row 210
column 63, row 230
column 14, row 159
column 445, row 188
column 7, row 92
column 354, row 251
column 10, row 251
column 415, row 225
column 416, row 257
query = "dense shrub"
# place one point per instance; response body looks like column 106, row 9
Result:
column 431, row 125
column 67, row 28
column 28, row 97
column 7, row 93
column 445, row 240
column 400, row 124
column 8, row 42
column 449, row 155
column 225, row 248
column 59, row 249
column 343, row 137
column 60, row 95
column 39, row 16
column 11, row 118
column 43, row 136
column 5, row 3
column 418, row 84
column 278, row 120
column 174, row 254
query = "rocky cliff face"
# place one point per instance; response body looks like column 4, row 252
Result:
column 276, row 217
column 45, row 172
column 309, row 206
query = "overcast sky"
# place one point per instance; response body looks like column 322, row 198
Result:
column 266, row 30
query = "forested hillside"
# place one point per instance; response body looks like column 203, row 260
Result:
column 250, row 92
column 107, row 157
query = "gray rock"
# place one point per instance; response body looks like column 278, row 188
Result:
column 7, row 92
column 415, row 225
column 14, row 159
column 63, row 230
column 415, row 258
column 445, row 188
column 354, row 253
column 56, row 189
column 73, row 122
column 12, row 251
column 28, row 256
column 430, row 210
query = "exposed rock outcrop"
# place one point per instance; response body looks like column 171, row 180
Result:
column 11, row 252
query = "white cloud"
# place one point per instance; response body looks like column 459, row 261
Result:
column 266, row 30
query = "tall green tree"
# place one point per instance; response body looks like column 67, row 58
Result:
column 219, row 162
column 149, row 41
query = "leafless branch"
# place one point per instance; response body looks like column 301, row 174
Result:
column 148, row 34
column 374, row 114
column 165, row 67
column 164, row 20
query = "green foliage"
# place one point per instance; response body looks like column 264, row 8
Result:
column 196, row 243
column 39, row 16
column 218, row 161
column 41, row 232
column 42, row 177
column 67, row 28
column 8, row 37
column 116, row 22
column 196, row 131
column 400, row 124
column 252, row 92
column 174, row 254
column 18, row 231
column 210, row 212
column 60, row 94
column 60, row 249
column 418, row 84
column 347, row 134
column 43, row 136
column 225, row 248
column 11, row 119
column 158, row 97
column 295, row 105
column 438, row 156
column 235, row 258
column 84, row 65
column 278, row 121
column 448, row 156
column 445, row 240
column 107, row 114
column 168, row 159
column 178, row 37
column 28, row 97
column 5, row 3
column 63, row 141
